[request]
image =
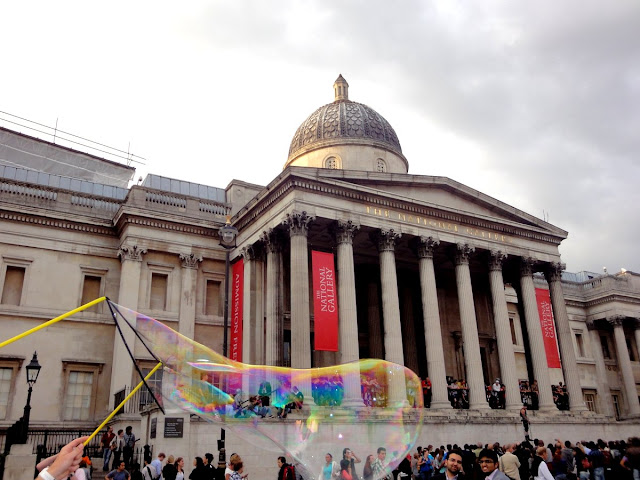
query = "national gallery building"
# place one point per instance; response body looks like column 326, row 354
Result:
column 461, row 288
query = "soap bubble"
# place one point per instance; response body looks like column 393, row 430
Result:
column 306, row 413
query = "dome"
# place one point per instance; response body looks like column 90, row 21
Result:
column 343, row 122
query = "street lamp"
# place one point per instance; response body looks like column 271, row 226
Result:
column 228, row 234
column 33, row 370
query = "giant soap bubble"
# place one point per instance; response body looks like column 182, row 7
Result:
column 306, row 413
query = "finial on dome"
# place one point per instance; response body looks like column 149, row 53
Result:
column 341, row 88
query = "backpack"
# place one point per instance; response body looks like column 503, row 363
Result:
column 586, row 464
column 607, row 458
column 289, row 473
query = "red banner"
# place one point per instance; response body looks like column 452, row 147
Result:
column 548, row 327
column 237, row 287
column 325, row 301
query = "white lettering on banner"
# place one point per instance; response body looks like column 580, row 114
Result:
column 547, row 320
column 236, row 319
column 326, row 290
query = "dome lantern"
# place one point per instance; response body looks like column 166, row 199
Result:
column 341, row 89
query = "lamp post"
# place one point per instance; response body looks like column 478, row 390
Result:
column 33, row 370
column 228, row 234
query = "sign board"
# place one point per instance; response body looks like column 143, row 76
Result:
column 173, row 427
column 154, row 427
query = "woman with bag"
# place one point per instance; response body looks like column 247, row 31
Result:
column 330, row 469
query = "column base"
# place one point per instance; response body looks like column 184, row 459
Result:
column 445, row 405
column 480, row 406
column 353, row 402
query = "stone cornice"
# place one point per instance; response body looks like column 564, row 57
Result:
column 57, row 223
column 288, row 181
column 167, row 225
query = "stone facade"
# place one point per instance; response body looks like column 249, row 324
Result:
column 431, row 274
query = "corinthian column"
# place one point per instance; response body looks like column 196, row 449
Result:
column 431, row 318
column 130, row 270
column 252, row 315
column 386, row 241
column 274, row 327
column 624, row 361
column 347, row 311
column 187, row 319
column 503, row 332
column 567, row 353
column 471, row 344
column 536, row 342
column 373, row 320
column 604, row 390
column 298, row 224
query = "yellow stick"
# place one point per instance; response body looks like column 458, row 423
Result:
column 51, row 322
column 121, row 404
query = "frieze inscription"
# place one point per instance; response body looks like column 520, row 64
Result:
column 438, row 224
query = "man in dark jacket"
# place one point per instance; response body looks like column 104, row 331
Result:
column 453, row 467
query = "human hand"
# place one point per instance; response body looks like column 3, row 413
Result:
column 66, row 462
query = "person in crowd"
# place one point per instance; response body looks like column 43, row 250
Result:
column 438, row 459
column 169, row 471
column 488, row 461
column 345, row 467
column 105, row 443
column 453, row 467
column 352, row 458
column 129, row 444
column 330, row 469
column 200, row 471
column 539, row 468
column 379, row 466
column 179, row 468
column 136, row 474
column 120, row 473
column 509, row 463
column 237, row 471
column 157, row 465
column 208, row 460
column 631, row 459
column 228, row 471
column 149, row 471
column 286, row 472
column 367, row 470
column 117, row 447
column 525, row 421
column 415, row 471
column 596, row 457
column 81, row 472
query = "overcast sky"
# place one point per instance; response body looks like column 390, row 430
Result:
column 534, row 103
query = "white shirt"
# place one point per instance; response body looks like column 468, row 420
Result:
column 148, row 472
column 543, row 472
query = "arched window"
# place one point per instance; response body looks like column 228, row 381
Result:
column 381, row 165
column 331, row 162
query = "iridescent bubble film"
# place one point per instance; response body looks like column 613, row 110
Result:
column 306, row 413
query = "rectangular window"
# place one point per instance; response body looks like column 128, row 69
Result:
column 13, row 283
column 77, row 402
column 632, row 355
column 590, row 401
column 616, row 405
column 155, row 383
column 604, row 342
column 579, row 344
column 91, row 291
column 6, row 377
column 158, row 300
column 212, row 298
column 512, row 324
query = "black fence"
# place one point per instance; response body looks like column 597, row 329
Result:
column 47, row 442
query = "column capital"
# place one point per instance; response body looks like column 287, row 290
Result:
column 463, row 252
column 496, row 260
column 425, row 246
column 272, row 240
column 591, row 325
column 553, row 271
column 131, row 252
column 190, row 260
column 251, row 252
column 298, row 223
column 527, row 266
column 386, row 240
column 616, row 320
column 344, row 231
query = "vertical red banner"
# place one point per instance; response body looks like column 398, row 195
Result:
column 237, row 290
column 548, row 327
column 325, row 302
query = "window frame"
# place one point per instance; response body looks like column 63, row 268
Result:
column 17, row 262
column 87, row 271
column 161, row 270
column 14, row 363
column 69, row 366
column 215, row 277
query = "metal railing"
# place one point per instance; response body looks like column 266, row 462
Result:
column 139, row 401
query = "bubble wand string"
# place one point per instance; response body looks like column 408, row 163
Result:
column 52, row 321
column 112, row 414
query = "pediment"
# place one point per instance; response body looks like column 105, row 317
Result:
column 433, row 192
